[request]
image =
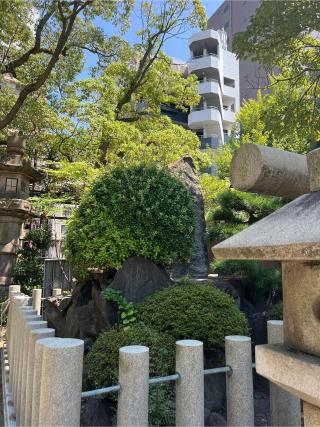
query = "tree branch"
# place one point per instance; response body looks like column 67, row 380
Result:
column 67, row 26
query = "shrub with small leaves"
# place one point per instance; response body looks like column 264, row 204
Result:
column 28, row 271
column 194, row 311
column 275, row 312
column 102, row 363
column 127, row 312
column 140, row 210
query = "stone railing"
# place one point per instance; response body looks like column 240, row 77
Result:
column 42, row 376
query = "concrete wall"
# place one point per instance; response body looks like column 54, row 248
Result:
column 234, row 16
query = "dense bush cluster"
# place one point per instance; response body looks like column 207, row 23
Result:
column 194, row 311
column 28, row 271
column 102, row 364
column 259, row 283
column 234, row 211
column 131, row 211
column 276, row 312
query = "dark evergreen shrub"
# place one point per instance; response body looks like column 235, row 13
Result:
column 194, row 311
column 103, row 360
column 134, row 211
column 28, row 271
column 276, row 312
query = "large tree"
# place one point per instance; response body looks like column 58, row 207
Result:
column 284, row 35
column 42, row 42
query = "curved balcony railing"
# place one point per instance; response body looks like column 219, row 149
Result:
column 208, row 107
column 209, row 80
column 203, row 55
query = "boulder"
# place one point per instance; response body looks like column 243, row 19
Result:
column 139, row 278
column 55, row 318
column 214, row 419
column 214, row 392
column 80, row 322
column 105, row 312
column 98, row 412
column 184, row 169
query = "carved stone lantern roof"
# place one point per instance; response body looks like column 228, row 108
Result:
column 292, row 232
column 286, row 234
column 13, row 162
column 292, row 236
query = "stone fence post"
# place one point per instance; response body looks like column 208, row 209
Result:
column 239, row 381
column 36, row 299
column 285, row 408
column 59, row 361
column 134, row 386
column 190, row 385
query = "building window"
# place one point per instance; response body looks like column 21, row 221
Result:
column 226, row 26
column 225, row 10
column 11, row 185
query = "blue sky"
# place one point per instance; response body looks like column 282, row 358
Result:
column 175, row 47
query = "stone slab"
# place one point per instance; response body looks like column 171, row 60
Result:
column 301, row 306
column 286, row 234
column 296, row 372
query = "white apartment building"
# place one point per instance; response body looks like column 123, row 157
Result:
column 217, row 70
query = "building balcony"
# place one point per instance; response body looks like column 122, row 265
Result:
column 201, row 116
column 211, row 142
column 203, row 62
column 229, row 91
column 228, row 115
column 209, row 86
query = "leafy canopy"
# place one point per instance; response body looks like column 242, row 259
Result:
column 139, row 210
column 282, row 35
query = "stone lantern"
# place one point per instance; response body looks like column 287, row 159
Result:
column 290, row 235
column 16, row 174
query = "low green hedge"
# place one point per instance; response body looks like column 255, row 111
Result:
column 275, row 312
column 194, row 311
column 103, row 360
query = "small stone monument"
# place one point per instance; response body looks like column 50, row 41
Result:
column 16, row 174
column 291, row 235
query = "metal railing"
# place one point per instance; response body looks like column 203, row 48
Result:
column 204, row 55
column 208, row 107
column 209, row 80
column 152, row 381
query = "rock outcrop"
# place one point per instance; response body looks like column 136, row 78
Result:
column 184, row 169
column 139, row 278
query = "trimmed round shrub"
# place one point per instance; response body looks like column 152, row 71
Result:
column 275, row 312
column 128, row 212
column 194, row 311
column 103, row 360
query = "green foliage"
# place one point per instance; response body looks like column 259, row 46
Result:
column 276, row 312
column 234, row 211
column 259, row 282
column 282, row 36
column 194, row 311
column 131, row 211
column 103, row 359
column 211, row 187
column 275, row 29
column 218, row 232
column 28, row 271
column 127, row 312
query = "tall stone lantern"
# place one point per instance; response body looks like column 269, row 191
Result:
column 290, row 235
column 16, row 174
